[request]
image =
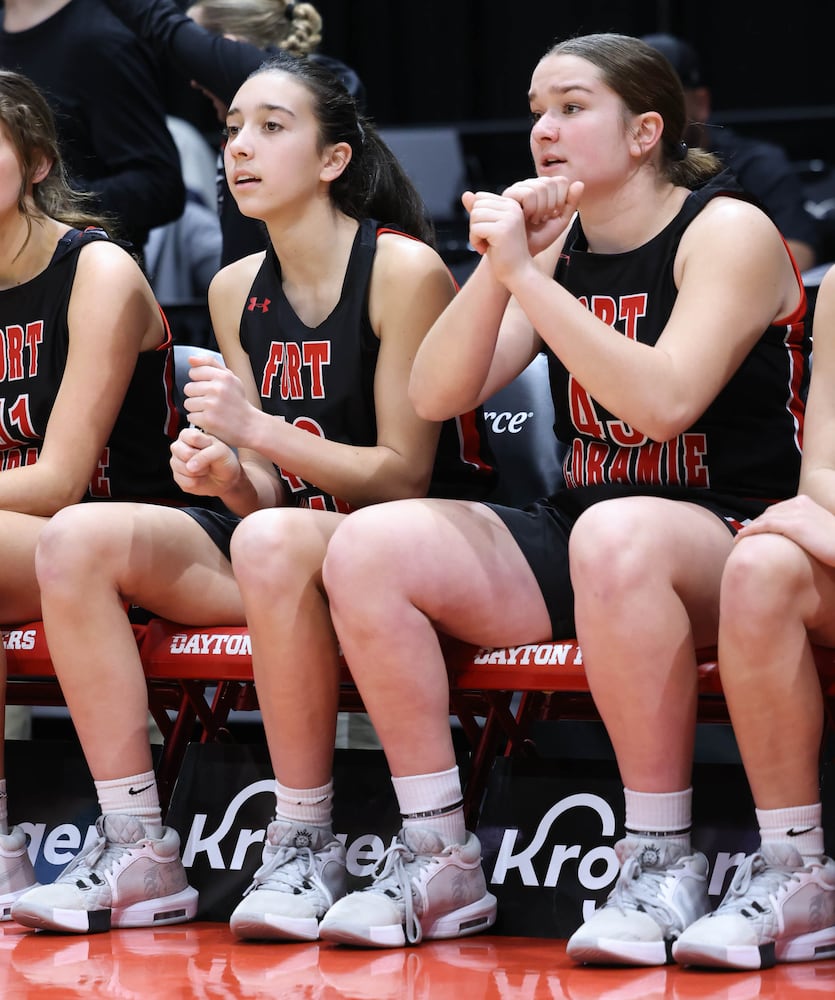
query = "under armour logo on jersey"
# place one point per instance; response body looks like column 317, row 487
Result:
column 255, row 304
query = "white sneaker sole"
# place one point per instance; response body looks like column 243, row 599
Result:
column 804, row 948
column 613, row 951
column 9, row 899
column 470, row 919
column 273, row 927
column 175, row 909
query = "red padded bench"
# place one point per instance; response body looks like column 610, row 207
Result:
column 199, row 675
column 496, row 694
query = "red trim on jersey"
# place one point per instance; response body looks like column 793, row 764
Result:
column 169, row 336
column 795, row 333
column 795, row 324
column 471, row 441
column 172, row 420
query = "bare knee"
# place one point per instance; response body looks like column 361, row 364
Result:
column 764, row 578
column 273, row 551
column 73, row 549
column 610, row 549
column 360, row 555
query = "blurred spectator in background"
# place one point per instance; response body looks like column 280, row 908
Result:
column 216, row 45
column 762, row 168
column 182, row 257
column 104, row 89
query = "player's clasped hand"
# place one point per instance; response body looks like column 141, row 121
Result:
column 546, row 199
column 524, row 220
column 202, row 464
column 215, row 400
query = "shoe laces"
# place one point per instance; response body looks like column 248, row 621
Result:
column 755, row 879
column 641, row 889
column 101, row 856
column 393, row 879
column 290, row 869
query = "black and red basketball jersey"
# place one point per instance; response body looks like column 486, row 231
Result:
column 33, row 355
column 322, row 379
column 748, row 441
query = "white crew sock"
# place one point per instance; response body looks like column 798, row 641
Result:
column 799, row 826
column 136, row 795
column 664, row 815
column 433, row 801
column 305, row 805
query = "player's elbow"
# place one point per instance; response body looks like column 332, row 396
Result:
column 431, row 402
column 664, row 422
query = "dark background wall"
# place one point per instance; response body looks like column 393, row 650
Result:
column 469, row 61
column 443, row 60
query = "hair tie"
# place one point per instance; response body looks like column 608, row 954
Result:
column 680, row 150
column 288, row 11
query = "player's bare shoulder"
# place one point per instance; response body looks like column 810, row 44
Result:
column 408, row 276
column 731, row 235
column 229, row 288
column 108, row 275
column 727, row 219
column 108, row 264
column 398, row 253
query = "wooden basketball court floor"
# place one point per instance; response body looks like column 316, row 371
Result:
column 203, row 961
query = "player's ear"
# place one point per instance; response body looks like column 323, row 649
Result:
column 337, row 158
column 42, row 169
column 645, row 130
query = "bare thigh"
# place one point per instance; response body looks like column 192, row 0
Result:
column 453, row 559
column 19, row 593
column 156, row 557
column 648, row 550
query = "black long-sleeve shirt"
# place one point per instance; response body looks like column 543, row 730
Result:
column 104, row 88
column 219, row 65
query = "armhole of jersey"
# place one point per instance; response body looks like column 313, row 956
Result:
column 168, row 340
